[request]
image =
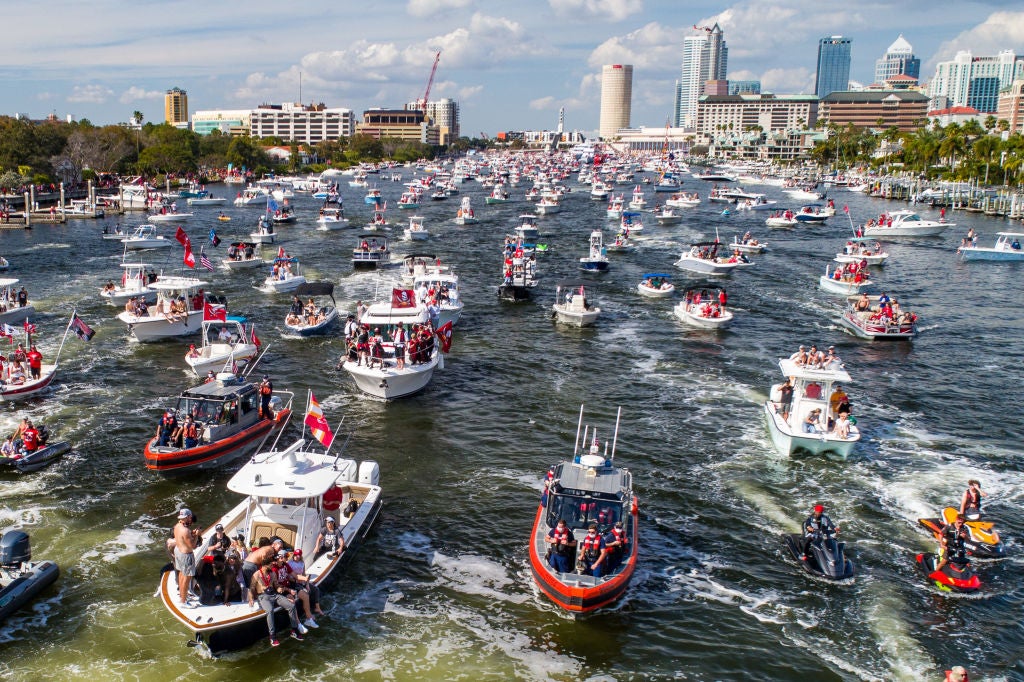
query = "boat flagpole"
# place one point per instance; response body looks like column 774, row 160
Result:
column 347, row 438
column 252, row 365
column 579, row 425
column 64, row 338
column 309, row 398
column 615, row 437
column 846, row 209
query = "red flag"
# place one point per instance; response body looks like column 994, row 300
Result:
column 183, row 239
column 317, row 423
column 255, row 339
column 403, row 298
column 444, row 334
column 214, row 312
column 29, row 328
column 846, row 208
column 190, row 260
column 280, row 252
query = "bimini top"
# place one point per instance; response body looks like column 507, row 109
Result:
column 315, row 289
column 173, row 283
column 8, row 282
column 374, row 235
column 656, row 274
column 791, row 369
column 565, row 283
column 290, row 474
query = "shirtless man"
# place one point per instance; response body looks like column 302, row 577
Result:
column 258, row 557
column 184, row 559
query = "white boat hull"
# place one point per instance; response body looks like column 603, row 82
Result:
column 146, row 329
column 907, row 230
column 576, row 318
column 866, row 329
column 841, row 287
column 787, row 442
column 244, row 264
column 14, row 392
column 136, row 244
column 390, row 383
column 168, row 217
column 661, row 292
column 688, row 315
column 120, row 295
column 279, row 286
column 17, row 314
column 875, row 259
column 707, row 267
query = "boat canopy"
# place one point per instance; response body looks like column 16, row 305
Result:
column 288, row 474
column 791, row 369
column 374, row 235
column 568, row 283
column 315, row 289
column 656, row 274
column 418, row 256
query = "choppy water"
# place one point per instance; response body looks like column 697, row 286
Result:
column 442, row 590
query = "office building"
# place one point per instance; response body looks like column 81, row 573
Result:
column 898, row 60
column 833, row 65
column 1011, row 106
column 616, row 99
column 744, row 87
column 705, row 58
column 232, row 122
column 401, row 124
column 442, row 113
column 304, row 124
column 971, row 81
column 176, row 108
column 719, row 115
column 905, row 109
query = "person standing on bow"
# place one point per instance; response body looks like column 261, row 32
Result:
column 970, row 503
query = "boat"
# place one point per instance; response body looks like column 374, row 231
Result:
column 158, row 321
column 906, row 224
column 116, row 233
column 599, row 191
column 781, row 219
column 317, row 319
column 984, row 542
column 955, row 576
column 656, row 285
column 699, row 309
column 572, row 306
column 631, row 221
column 519, row 274
column 226, row 347
column 301, row 476
column 171, row 216
column 416, row 231
column 826, row 556
column 862, row 250
column 21, row 579
column 146, row 237
column 408, row 200
column 748, row 244
column 5, row 264
column 224, row 218
column 228, row 421
column 667, row 183
column 683, row 200
column 438, row 285
column 285, row 275
column 43, row 456
column 638, row 202
column 18, row 385
column 703, row 259
column 812, row 387
column 1006, row 248
column 807, row 193
column 135, row 195
column 440, row 194
column 206, row 201
column 811, row 213
column 879, row 322
column 465, row 215
column 596, row 259
column 498, row 195
column 719, row 195
column 373, row 251
column 242, row 256
column 373, row 197
column 253, row 196
column 615, row 207
column 135, row 281
column 667, row 216
column 547, row 206
column 586, row 489
column 711, row 176
column 331, row 219
column 265, row 232
column 527, row 229
column 849, row 282
column 386, row 381
column 622, row 244
column 285, row 214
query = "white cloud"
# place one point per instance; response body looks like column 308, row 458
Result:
column 135, row 93
column 469, row 92
column 543, row 103
column 787, row 81
column 92, row 94
column 426, row 8
column 608, row 10
column 652, row 46
column 1000, row 31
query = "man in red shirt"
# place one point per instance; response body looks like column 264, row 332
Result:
column 35, row 362
column 30, row 439
column 333, row 498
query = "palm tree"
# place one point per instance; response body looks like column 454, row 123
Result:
column 137, row 117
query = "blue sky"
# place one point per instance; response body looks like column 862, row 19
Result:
column 510, row 65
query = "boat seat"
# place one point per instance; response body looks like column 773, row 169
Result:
column 267, row 529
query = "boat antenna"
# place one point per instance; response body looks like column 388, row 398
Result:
column 348, row 437
column 849, row 216
column 252, row 365
column 576, row 447
column 615, row 437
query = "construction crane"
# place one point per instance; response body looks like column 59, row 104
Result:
column 709, row 29
column 430, row 81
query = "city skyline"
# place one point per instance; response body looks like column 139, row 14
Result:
column 508, row 67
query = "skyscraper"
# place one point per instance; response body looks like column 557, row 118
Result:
column 898, row 60
column 705, row 58
column 970, row 81
column 616, row 98
column 176, row 107
column 833, row 65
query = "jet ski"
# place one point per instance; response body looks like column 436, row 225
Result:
column 984, row 542
column 955, row 576
column 827, row 556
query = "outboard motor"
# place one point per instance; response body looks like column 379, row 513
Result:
column 15, row 549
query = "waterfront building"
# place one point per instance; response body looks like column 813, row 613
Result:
column 705, row 58
column 974, row 81
column 898, row 60
column 403, row 124
column 542, row 139
column 744, row 87
column 649, row 139
column 176, row 108
column 905, row 109
column 718, row 114
column 958, row 115
column 234, row 122
column 616, row 98
column 782, row 145
column 1011, row 106
column 833, row 65
column 301, row 123
column 443, row 113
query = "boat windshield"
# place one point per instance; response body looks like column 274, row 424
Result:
column 217, row 411
column 580, row 512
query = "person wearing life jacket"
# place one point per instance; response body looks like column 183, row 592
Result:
column 562, row 545
column 593, row 553
column 30, row 439
column 954, row 540
column 190, row 432
column 970, row 504
column 617, row 544
column 815, row 525
column 166, row 428
column 266, row 393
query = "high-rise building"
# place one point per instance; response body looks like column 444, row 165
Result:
column 833, row 65
column 705, row 58
column 443, row 114
column 1011, row 106
column 306, row 124
column 176, row 107
column 616, row 98
column 744, row 87
column 970, row 81
column 898, row 60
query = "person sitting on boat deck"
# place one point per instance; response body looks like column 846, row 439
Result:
column 266, row 393
column 815, row 524
column 293, row 320
column 264, row 588
column 193, row 352
column 8, row 450
column 298, row 569
column 178, row 311
column 288, row 579
column 811, row 422
column 330, row 539
column 224, row 335
column 617, row 544
column 17, row 374
column 35, row 362
column 593, row 552
column 563, row 544
column 841, row 428
column 185, row 541
column 953, row 542
column 109, row 287
column 970, row 503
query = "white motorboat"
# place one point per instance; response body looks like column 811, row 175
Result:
column 373, row 251
column 703, row 259
column 115, row 233
column 788, row 424
column 285, row 275
column 804, row 193
column 283, row 498
column 599, row 191
column 622, row 244
column 760, row 204
column 386, row 381
column 862, row 250
column 848, row 283
column 136, row 196
column 331, row 219
column 285, row 214
column 683, row 200
column 638, row 202
column 313, row 319
column 498, row 195
column 14, row 306
column 615, row 207
column 385, row 314
column 242, row 256
column 226, row 347
column 572, row 306
column 409, row 200
column 265, row 231
column 253, row 196
column 667, row 216
column 906, row 224
column 438, row 285
column 1006, row 248
column 711, row 176
column 656, row 285
column 169, row 217
column 465, row 215
column 596, row 259
column 631, row 221
column 748, row 244
column 178, row 311
column 879, row 322
column 783, row 219
column 416, row 231
column 812, row 213
column 373, row 197
column 208, row 200
column 706, row 314
column 135, row 281
column 146, row 237
column 5, row 264
column 519, row 274
column 527, row 229
column 547, row 206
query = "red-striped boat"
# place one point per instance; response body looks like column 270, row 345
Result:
column 587, row 490
column 227, row 412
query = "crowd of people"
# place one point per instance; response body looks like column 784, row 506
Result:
column 413, row 345
column 21, row 366
column 26, row 440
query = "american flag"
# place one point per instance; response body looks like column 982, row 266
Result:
column 205, row 261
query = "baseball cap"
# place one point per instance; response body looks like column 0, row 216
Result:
column 297, row 553
column 219, row 526
column 819, row 508
column 281, row 554
column 184, row 513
